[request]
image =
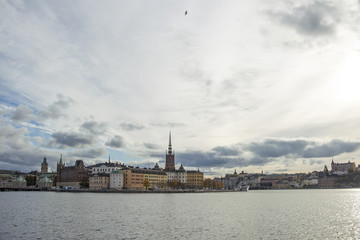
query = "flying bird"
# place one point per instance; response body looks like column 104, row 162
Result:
column 185, row 12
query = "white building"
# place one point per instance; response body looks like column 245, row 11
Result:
column 104, row 168
column 116, row 179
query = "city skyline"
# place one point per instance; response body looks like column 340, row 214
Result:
column 251, row 85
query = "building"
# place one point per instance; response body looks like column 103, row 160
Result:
column 44, row 166
column 116, row 179
column 99, row 181
column 45, row 182
column 106, row 167
column 342, row 168
column 72, row 176
column 18, row 182
column 135, row 178
column 195, row 179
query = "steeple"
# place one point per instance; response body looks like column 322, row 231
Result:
column 109, row 158
column 170, row 157
column 170, row 147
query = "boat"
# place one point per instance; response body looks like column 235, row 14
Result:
column 242, row 188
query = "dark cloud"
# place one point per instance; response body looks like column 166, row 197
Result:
column 151, row 146
column 55, row 110
column 226, row 151
column 273, row 148
column 316, row 19
column 116, row 142
column 22, row 113
column 88, row 153
column 94, row 127
column 330, row 149
column 277, row 148
column 131, row 126
column 70, row 139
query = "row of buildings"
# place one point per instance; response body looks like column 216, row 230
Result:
column 318, row 179
column 111, row 175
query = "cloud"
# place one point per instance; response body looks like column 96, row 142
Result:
column 22, row 113
column 273, row 148
column 94, row 127
column 226, row 151
column 131, row 126
column 116, row 142
column 168, row 124
column 333, row 148
column 151, row 146
column 277, row 147
column 316, row 19
column 70, row 139
column 88, row 153
column 17, row 151
column 55, row 110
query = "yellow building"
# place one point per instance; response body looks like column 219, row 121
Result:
column 195, row 179
column 99, row 181
column 134, row 178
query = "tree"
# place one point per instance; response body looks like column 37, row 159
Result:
column 146, row 184
column 30, row 180
column 208, row 183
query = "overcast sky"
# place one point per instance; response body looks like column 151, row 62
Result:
column 247, row 85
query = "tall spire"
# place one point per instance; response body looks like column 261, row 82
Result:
column 109, row 158
column 170, row 148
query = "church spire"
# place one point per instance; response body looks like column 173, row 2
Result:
column 170, row 147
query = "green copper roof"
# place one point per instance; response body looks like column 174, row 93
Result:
column 45, row 180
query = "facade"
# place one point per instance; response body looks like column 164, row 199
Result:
column 72, row 176
column 99, row 181
column 45, row 182
column 18, row 182
column 44, row 166
column 106, row 167
column 116, row 179
column 342, row 168
column 195, row 179
column 135, row 178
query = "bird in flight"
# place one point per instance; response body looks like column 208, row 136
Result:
column 185, row 12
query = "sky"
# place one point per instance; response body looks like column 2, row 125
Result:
column 250, row 85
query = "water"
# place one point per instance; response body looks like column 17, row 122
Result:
column 282, row 214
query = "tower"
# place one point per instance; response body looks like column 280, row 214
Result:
column 170, row 157
column 44, row 166
column 59, row 167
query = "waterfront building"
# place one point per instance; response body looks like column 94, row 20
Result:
column 195, row 179
column 72, row 176
column 99, row 181
column 45, row 182
column 44, row 166
column 342, row 168
column 116, row 179
column 134, row 178
column 18, row 182
column 106, row 167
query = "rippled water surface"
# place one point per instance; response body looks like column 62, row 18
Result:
column 285, row 214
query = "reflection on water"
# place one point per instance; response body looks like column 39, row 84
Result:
column 282, row 214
